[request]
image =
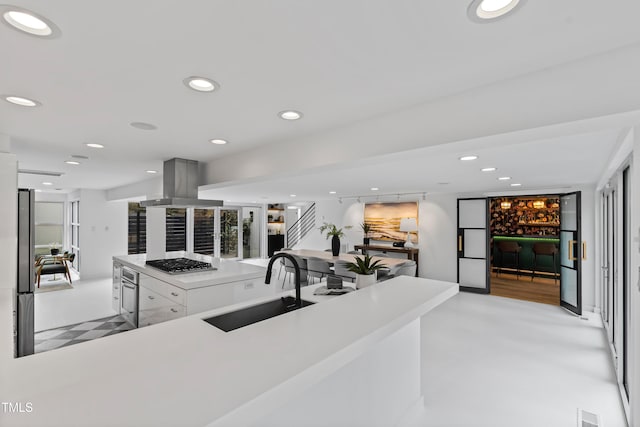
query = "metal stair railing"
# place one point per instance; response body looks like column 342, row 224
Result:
column 302, row 226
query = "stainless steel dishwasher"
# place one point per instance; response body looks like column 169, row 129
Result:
column 129, row 280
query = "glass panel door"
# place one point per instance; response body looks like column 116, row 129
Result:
column 473, row 245
column 251, row 231
column 229, row 233
column 570, row 253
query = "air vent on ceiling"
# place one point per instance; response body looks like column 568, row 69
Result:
column 588, row 419
column 36, row 172
column 78, row 156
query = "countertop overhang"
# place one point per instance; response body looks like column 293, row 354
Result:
column 186, row 372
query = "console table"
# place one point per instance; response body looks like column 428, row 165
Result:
column 412, row 253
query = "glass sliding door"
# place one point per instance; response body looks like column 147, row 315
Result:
column 473, row 245
column 571, row 250
column 229, row 233
column 251, row 231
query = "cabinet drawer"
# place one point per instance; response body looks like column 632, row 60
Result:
column 155, row 308
column 163, row 288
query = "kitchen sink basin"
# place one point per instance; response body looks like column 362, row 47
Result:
column 256, row 313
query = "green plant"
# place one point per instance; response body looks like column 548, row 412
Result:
column 331, row 230
column 364, row 265
column 366, row 228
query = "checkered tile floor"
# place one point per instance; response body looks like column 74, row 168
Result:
column 81, row 332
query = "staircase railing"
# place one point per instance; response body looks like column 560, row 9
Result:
column 302, row 226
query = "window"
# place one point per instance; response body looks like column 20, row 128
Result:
column 176, row 226
column 49, row 226
column 137, row 229
column 75, row 233
column 203, row 228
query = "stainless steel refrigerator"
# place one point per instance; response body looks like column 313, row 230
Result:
column 25, row 285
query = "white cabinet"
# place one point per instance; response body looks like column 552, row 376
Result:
column 210, row 297
column 115, row 288
column 159, row 301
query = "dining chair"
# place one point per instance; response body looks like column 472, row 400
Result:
column 406, row 269
column 290, row 269
column 47, row 266
column 282, row 262
column 318, row 268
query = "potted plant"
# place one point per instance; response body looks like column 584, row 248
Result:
column 366, row 229
column 365, row 270
column 335, row 233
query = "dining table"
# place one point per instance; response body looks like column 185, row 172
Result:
column 328, row 256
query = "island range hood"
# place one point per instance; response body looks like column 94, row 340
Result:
column 180, row 187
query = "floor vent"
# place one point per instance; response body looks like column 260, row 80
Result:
column 588, row 419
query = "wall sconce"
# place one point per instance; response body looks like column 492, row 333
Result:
column 539, row 204
column 505, row 205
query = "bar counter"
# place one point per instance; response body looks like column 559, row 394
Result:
column 544, row 263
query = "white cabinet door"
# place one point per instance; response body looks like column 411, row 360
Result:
column 115, row 289
column 155, row 308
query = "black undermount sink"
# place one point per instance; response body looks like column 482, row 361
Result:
column 256, row 313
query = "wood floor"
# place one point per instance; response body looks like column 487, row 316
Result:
column 539, row 290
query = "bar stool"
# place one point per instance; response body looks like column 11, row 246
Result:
column 545, row 249
column 506, row 247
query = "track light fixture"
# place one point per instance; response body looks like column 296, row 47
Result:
column 378, row 197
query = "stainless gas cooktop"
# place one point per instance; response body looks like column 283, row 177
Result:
column 180, row 265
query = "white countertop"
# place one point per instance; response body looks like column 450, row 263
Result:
column 185, row 372
column 228, row 271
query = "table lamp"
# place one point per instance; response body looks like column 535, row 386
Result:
column 409, row 225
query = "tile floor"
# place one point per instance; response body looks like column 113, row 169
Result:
column 78, row 333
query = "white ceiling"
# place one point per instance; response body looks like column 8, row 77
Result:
column 336, row 61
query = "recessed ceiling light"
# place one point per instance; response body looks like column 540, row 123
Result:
column 491, row 10
column 151, row 171
column 516, row 185
column 21, row 101
column 218, row 141
column 47, row 183
column 290, row 115
column 504, row 178
column 374, row 188
column 93, row 145
column 38, row 190
column 332, row 192
column 488, row 169
column 201, row 84
column 72, row 162
column 467, row 158
column 292, row 207
column 143, row 126
column 292, row 195
column 28, row 22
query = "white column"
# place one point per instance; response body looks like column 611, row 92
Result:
column 156, row 233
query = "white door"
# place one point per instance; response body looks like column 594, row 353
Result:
column 473, row 245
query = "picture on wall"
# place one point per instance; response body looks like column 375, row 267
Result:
column 385, row 220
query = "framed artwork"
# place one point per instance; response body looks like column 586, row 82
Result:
column 385, row 220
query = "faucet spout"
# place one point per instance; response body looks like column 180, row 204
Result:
column 267, row 279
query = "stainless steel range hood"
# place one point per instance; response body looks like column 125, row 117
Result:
column 180, row 187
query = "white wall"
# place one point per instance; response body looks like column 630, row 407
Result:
column 103, row 232
column 438, row 230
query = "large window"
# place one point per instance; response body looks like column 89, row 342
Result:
column 176, row 226
column 75, row 233
column 203, row 229
column 49, row 226
column 137, row 229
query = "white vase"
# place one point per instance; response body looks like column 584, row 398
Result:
column 364, row 280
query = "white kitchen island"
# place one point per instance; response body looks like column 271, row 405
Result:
column 164, row 296
column 347, row 360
